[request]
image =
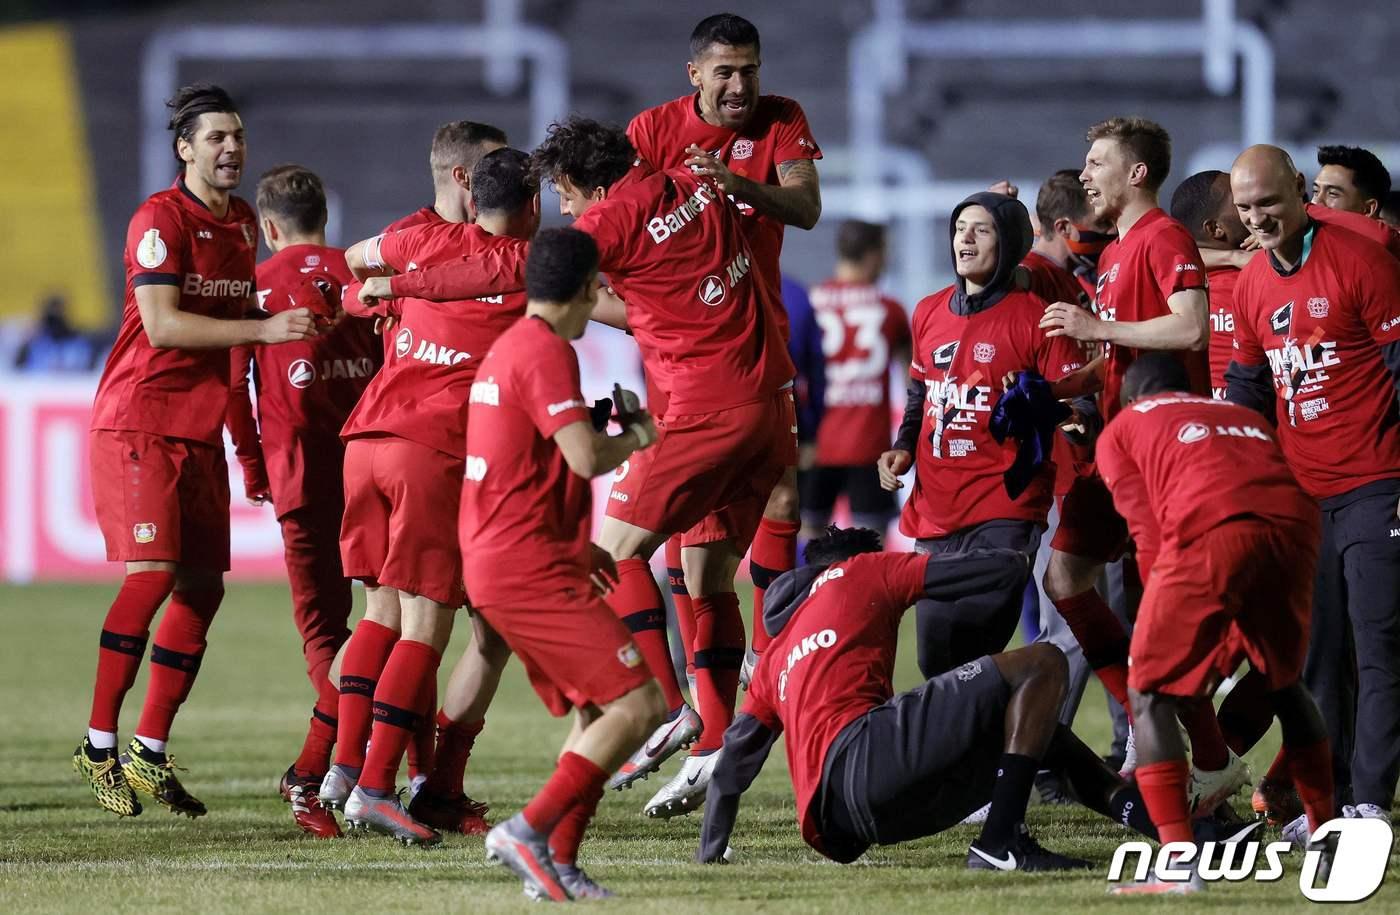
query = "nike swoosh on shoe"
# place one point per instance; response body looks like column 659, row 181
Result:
column 1002, row 864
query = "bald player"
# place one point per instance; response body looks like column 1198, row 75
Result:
column 1317, row 338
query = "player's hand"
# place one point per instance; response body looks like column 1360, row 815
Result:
column 707, row 166
column 602, row 569
column 600, row 413
column 259, row 499
column 1251, row 243
column 287, row 326
column 1062, row 319
column 384, row 326
column 627, row 404
column 1008, row 381
column 645, row 428
column 1005, row 187
column 374, row 289
column 1076, row 430
column 891, row 466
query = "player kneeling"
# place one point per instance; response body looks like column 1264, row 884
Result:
column 532, row 450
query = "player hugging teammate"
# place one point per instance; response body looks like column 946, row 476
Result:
column 1258, row 536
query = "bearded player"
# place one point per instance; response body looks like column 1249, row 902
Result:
column 160, row 483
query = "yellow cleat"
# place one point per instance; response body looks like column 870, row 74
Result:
column 108, row 782
column 159, row 781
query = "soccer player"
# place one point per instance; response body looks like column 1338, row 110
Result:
column 970, row 339
column 864, row 333
column 160, row 483
column 1227, row 542
column 531, row 451
column 1063, row 259
column 759, row 150
column 292, row 454
column 1350, row 178
column 403, row 469
column 1317, row 316
column 1151, row 296
column 1202, row 204
column 869, row 767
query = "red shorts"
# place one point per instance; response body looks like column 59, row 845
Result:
column 709, row 475
column 574, row 648
column 1242, row 590
column 400, row 524
column 160, row 499
column 1090, row 527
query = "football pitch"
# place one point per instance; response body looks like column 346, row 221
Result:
column 244, row 723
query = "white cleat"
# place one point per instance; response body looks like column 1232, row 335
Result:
column 1208, row 790
column 746, row 669
column 336, row 787
column 685, row 792
column 1298, row 832
column 1366, row 812
column 666, row 741
column 386, row 815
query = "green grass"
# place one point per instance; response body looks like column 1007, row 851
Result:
column 244, row 723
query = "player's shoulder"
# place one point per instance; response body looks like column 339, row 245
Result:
column 418, row 217
column 1359, row 246
column 933, row 304
column 239, row 208
column 779, row 108
column 1159, row 227
column 168, row 203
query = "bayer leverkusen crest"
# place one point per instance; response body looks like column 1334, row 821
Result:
column 144, row 533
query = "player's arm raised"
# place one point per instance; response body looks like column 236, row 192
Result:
column 168, row 327
column 590, row 452
column 796, row 200
column 364, row 261
column 1187, row 327
column 746, row 745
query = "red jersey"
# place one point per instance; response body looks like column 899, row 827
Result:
column 421, row 394
column 1179, row 465
column 1222, row 325
column 1320, row 330
column 1052, row 282
column 778, row 132
column 861, row 331
column 832, row 663
column 1387, row 236
column 958, row 466
column 673, row 249
column 525, row 515
column 1138, row 272
column 307, row 388
column 174, row 240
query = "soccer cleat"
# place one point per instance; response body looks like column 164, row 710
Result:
column 579, row 884
column 514, row 845
column 746, row 669
column 1155, row 886
column 685, row 792
column 1365, row 812
column 1050, row 788
column 307, row 810
column 1023, row 854
column 1276, row 803
column 336, row 788
column 159, row 781
column 1298, row 832
column 457, row 814
column 674, row 735
column 386, row 815
column 107, row 780
column 1208, row 790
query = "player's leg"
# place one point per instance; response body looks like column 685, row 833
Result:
column 872, row 506
column 774, row 547
column 362, row 662
column 441, row 802
column 818, row 489
column 635, row 598
column 1330, row 671
column 685, row 610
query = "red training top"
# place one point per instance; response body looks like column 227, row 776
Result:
column 1222, row 325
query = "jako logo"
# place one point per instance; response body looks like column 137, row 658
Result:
column 1357, row 870
column 712, row 290
column 301, row 374
column 1192, row 432
column 403, row 342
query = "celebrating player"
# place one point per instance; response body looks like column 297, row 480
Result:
column 160, row 483
column 292, row 454
column 531, row 451
column 1350, row 178
column 1317, row 315
column 968, row 339
column 863, row 333
column 403, row 469
column 1228, row 544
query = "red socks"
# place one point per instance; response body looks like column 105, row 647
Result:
column 719, row 653
column 568, row 835
column 1311, row 767
column 773, row 552
column 1208, row 750
column 175, row 657
column 398, row 704
column 637, row 602
column 1103, row 639
column 123, row 643
column 365, row 657
column 575, row 778
column 454, row 747
column 1163, row 787
column 680, row 597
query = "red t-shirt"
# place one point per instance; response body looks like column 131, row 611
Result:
column 832, row 663
column 421, row 394
column 306, row 389
column 778, row 132
column 861, row 331
column 958, row 466
column 174, row 240
column 1138, row 272
column 1387, row 236
column 1222, row 325
column 673, row 249
column 1178, row 465
column 525, row 515
column 1320, row 330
